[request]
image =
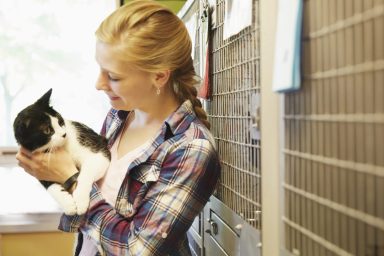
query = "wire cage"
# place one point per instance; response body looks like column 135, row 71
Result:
column 233, row 111
column 233, row 114
column 334, row 133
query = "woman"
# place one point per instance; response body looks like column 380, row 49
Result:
column 164, row 166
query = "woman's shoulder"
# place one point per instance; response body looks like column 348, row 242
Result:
column 195, row 135
column 198, row 131
column 186, row 127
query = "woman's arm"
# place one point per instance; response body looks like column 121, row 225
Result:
column 185, row 183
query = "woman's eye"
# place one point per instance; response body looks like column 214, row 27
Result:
column 113, row 79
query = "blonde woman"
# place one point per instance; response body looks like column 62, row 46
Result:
column 164, row 165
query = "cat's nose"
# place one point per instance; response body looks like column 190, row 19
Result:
column 64, row 135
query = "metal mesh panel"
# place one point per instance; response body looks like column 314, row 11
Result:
column 334, row 133
column 235, row 88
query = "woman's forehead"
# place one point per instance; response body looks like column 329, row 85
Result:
column 108, row 58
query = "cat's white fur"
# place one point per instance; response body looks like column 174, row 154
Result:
column 93, row 167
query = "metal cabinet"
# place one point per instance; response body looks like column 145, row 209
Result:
column 220, row 231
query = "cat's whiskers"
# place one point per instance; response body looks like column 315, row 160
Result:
column 49, row 152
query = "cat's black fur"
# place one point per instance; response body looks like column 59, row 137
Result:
column 88, row 138
column 32, row 126
column 40, row 128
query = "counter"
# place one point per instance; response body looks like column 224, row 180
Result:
column 25, row 205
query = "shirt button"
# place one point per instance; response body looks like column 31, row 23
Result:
column 164, row 235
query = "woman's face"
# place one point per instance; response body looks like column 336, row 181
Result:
column 126, row 87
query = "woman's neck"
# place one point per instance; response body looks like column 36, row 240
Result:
column 156, row 113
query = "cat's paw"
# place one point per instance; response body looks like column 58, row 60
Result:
column 69, row 207
column 63, row 198
column 81, row 199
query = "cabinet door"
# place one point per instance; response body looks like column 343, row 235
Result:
column 226, row 233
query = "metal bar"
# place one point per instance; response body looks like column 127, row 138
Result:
column 345, row 210
column 358, row 18
column 335, row 249
column 349, row 165
column 372, row 118
column 365, row 67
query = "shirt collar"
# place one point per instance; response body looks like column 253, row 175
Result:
column 180, row 119
column 176, row 123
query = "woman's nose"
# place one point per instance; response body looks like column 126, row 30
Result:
column 102, row 83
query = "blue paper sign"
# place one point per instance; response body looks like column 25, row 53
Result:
column 286, row 75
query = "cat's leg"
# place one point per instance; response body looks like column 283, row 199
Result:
column 63, row 198
column 92, row 169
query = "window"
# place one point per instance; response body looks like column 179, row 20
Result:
column 50, row 44
column 46, row 44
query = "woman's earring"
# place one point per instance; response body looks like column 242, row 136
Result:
column 158, row 91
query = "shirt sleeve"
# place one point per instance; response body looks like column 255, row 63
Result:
column 186, row 181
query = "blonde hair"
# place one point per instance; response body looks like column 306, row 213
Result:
column 152, row 38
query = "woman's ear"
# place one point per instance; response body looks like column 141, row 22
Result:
column 160, row 79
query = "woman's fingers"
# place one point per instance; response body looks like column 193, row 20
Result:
column 55, row 166
column 25, row 152
column 29, row 162
column 26, row 168
column 23, row 158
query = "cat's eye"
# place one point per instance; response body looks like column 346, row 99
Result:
column 47, row 130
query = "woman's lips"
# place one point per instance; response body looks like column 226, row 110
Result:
column 113, row 97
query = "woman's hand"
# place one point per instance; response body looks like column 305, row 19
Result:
column 56, row 166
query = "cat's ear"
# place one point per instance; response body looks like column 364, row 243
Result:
column 44, row 100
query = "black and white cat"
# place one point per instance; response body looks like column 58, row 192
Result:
column 40, row 128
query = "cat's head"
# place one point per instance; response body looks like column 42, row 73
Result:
column 39, row 127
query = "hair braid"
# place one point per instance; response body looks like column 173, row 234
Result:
column 186, row 90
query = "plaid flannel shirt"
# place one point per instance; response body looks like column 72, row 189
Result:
column 163, row 191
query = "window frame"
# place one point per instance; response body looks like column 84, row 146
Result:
column 31, row 222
